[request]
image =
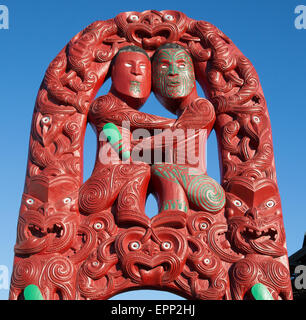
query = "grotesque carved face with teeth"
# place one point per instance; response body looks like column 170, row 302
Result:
column 151, row 29
column 153, row 256
column 48, row 218
column 254, row 217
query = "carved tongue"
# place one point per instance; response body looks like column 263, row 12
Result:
column 267, row 247
column 152, row 43
column 153, row 276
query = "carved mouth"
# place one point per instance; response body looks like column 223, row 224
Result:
column 36, row 231
column 143, row 268
column 251, row 233
column 146, row 270
column 172, row 83
column 156, row 270
column 149, row 275
column 154, row 42
column 145, row 34
column 151, row 38
column 39, row 232
column 57, row 229
column 263, row 237
column 153, row 275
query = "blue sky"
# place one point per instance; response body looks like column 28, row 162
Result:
column 263, row 30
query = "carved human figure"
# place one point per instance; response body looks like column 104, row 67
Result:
column 114, row 177
column 182, row 183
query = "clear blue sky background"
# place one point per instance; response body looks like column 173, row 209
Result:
column 263, row 30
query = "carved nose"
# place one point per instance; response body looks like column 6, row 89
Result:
column 252, row 213
column 46, row 209
column 150, row 250
column 151, row 20
column 136, row 70
column 172, row 70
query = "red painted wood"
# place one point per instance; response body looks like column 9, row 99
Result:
column 93, row 240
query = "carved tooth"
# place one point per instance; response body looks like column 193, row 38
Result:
column 250, row 230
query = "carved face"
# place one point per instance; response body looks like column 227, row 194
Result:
column 173, row 73
column 131, row 74
column 47, row 222
column 151, row 29
column 153, row 256
column 255, row 222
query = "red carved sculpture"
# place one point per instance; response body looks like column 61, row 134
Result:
column 93, row 240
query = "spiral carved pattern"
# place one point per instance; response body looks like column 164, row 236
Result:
column 59, row 270
column 244, row 272
column 278, row 274
column 206, row 193
column 25, row 272
column 92, row 196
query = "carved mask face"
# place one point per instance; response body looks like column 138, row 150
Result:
column 48, row 216
column 254, row 218
column 151, row 29
column 173, row 73
column 152, row 257
column 131, row 74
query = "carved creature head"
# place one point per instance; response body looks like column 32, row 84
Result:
column 254, row 216
column 131, row 73
column 48, row 216
column 152, row 256
column 151, row 29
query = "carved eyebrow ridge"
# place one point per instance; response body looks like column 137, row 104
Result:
column 163, row 55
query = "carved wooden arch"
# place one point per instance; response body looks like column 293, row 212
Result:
column 69, row 255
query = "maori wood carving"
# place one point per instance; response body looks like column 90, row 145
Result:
column 92, row 239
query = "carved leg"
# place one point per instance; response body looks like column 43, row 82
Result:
column 180, row 183
column 99, row 192
column 132, row 196
column 170, row 195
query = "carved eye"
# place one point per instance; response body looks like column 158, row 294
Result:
column 135, row 245
column 30, row 201
column 169, row 17
column 127, row 64
column 237, row 203
column 256, row 119
column 270, row 204
column 206, row 261
column 182, row 65
column 67, row 200
column 203, row 226
column 95, row 263
column 98, row 226
column 166, row 245
column 142, row 66
column 133, row 18
column 45, row 120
